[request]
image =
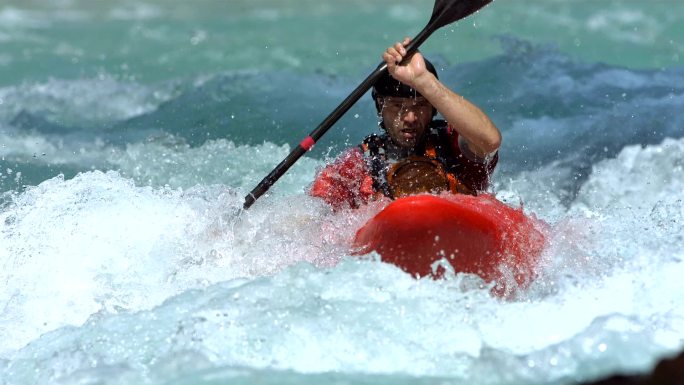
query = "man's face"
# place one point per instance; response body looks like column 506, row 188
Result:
column 406, row 119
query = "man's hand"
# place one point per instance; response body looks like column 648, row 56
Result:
column 409, row 73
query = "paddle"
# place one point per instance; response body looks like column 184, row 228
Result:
column 444, row 12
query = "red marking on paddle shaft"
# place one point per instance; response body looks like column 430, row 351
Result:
column 307, row 143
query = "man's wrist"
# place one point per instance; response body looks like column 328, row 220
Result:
column 426, row 84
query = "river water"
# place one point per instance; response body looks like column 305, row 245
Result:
column 130, row 132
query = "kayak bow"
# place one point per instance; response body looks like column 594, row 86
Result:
column 478, row 235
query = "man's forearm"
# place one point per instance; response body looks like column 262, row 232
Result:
column 471, row 123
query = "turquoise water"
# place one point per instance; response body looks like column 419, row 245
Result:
column 130, row 132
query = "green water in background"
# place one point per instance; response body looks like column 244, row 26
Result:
column 160, row 115
column 152, row 41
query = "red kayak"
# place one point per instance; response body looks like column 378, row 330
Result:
column 478, row 235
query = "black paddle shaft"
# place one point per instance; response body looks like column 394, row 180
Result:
column 444, row 12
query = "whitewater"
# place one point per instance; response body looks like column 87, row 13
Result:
column 125, row 256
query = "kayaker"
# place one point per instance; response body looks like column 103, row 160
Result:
column 416, row 153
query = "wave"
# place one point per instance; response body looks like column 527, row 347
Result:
column 551, row 109
column 98, row 251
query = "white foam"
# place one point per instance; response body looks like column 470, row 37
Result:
column 83, row 101
column 367, row 317
column 165, row 160
column 639, row 177
column 71, row 248
column 136, row 11
column 99, row 243
column 19, row 18
column 38, row 149
column 630, row 25
column 38, row 17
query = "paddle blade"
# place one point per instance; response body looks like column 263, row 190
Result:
column 447, row 11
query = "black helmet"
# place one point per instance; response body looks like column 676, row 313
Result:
column 389, row 86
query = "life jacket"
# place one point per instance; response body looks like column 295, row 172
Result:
column 431, row 169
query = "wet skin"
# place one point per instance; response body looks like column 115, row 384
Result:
column 406, row 119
